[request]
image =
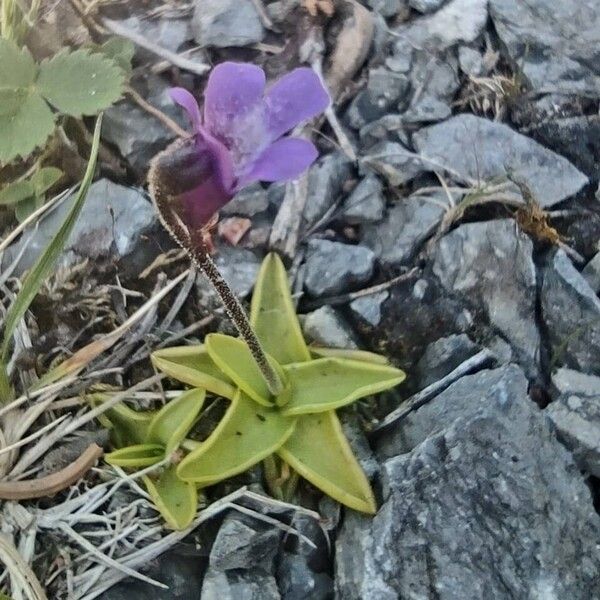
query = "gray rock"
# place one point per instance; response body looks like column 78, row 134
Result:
column 325, row 327
column 249, row 202
column 576, row 416
column 470, row 61
column 571, row 312
column 479, row 149
column 491, row 265
column 383, row 92
column 333, row 268
column 241, row 544
column 359, row 443
column 138, row 135
column 388, row 127
column 368, row 308
column 457, row 21
column 591, row 272
column 238, row 266
column 443, row 356
column 366, row 203
column 554, row 44
column 407, row 225
column 387, row 8
column 326, row 181
column 393, row 161
column 224, row 23
column 501, row 350
column 298, row 582
column 434, row 78
column 427, row 110
column 112, row 222
column 238, row 585
column 484, row 504
column 168, row 33
column 426, row 6
column 182, row 573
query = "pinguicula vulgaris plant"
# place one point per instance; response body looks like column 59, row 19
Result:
column 282, row 394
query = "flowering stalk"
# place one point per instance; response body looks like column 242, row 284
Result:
column 201, row 257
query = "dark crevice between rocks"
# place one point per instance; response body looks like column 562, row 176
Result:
column 594, row 483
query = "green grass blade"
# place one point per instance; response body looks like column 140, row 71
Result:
column 46, row 261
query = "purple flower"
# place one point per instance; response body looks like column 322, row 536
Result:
column 241, row 137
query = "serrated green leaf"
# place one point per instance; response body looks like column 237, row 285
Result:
column 27, row 129
column 120, row 51
column 11, row 100
column 140, row 455
column 273, row 316
column 193, row 365
column 247, row 433
column 319, row 451
column 233, row 357
column 79, row 83
column 328, row 383
column 16, row 192
column 360, row 355
column 174, row 420
column 175, row 499
column 17, row 68
column 38, row 273
column 44, row 178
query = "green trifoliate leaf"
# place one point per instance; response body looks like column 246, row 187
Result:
column 361, row 355
column 233, row 357
column 247, row 433
column 11, row 100
column 141, row 455
column 193, row 365
column 273, row 316
column 24, row 131
column 79, row 83
column 319, row 451
column 328, row 383
column 17, row 68
column 175, row 499
column 174, row 420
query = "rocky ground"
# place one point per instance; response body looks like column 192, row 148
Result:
column 451, row 222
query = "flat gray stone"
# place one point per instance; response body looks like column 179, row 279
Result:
column 112, row 222
column 297, row 581
column 366, row 203
column 393, row 161
column 443, row 356
column 485, row 503
column 576, row 416
column 457, row 21
column 368, row 308
column 333, row 268
column 591, row 272
column 555, row 44
column 397, row 238
column 326, row 327
column 480, row 149
column 426, row 6
column 249, row 202
column 239, row 585
column 223, row 23
column 571, row 312
column 490, row 265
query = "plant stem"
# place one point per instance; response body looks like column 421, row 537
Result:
column 235, row 311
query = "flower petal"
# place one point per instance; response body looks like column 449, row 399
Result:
column 294, row 98
column 186, row 180
column 182, row 97
column 232, row 91
column 283, row 160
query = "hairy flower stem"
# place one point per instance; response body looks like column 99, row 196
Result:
column 235, row 311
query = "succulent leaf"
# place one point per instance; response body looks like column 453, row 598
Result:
column 320, row 452
column 174, row 420
column 193, row 365
column 246, row 435
column 140, row 455
column 273, row 315
column 175, row 499
column 328, row 383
